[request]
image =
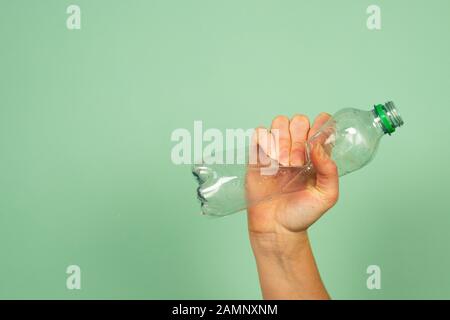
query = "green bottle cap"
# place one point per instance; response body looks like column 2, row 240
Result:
column 389, row 116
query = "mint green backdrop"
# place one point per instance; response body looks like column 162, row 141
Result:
column 86, row 116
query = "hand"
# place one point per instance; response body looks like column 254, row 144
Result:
column 277, row 226
column 292, row 213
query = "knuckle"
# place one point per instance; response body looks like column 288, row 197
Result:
column 280, row 119
column 323, row 115
column 300, row 118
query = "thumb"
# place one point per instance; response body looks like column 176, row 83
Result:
column 327, row 181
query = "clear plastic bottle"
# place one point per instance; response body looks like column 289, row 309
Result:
column 351, row 137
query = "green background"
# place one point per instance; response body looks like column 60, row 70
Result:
column 86, row 116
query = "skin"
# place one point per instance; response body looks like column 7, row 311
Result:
column 278, row 227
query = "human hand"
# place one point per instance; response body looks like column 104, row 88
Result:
column 271, row 223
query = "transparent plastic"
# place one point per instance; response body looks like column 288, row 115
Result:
column 350, row 137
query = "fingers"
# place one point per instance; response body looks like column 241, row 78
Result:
column 326, row 175
column 281, row 135
column 320, row 120
column 298, row 127
column 262, row 148
column 286, row 141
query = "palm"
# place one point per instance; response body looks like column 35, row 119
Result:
column 292, row 210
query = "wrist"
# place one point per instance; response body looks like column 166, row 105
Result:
column 286, row 266
column 280, row 246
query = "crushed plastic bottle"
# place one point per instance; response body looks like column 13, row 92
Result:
column 350, row 137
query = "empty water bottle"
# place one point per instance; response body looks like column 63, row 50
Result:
column 350, row 137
